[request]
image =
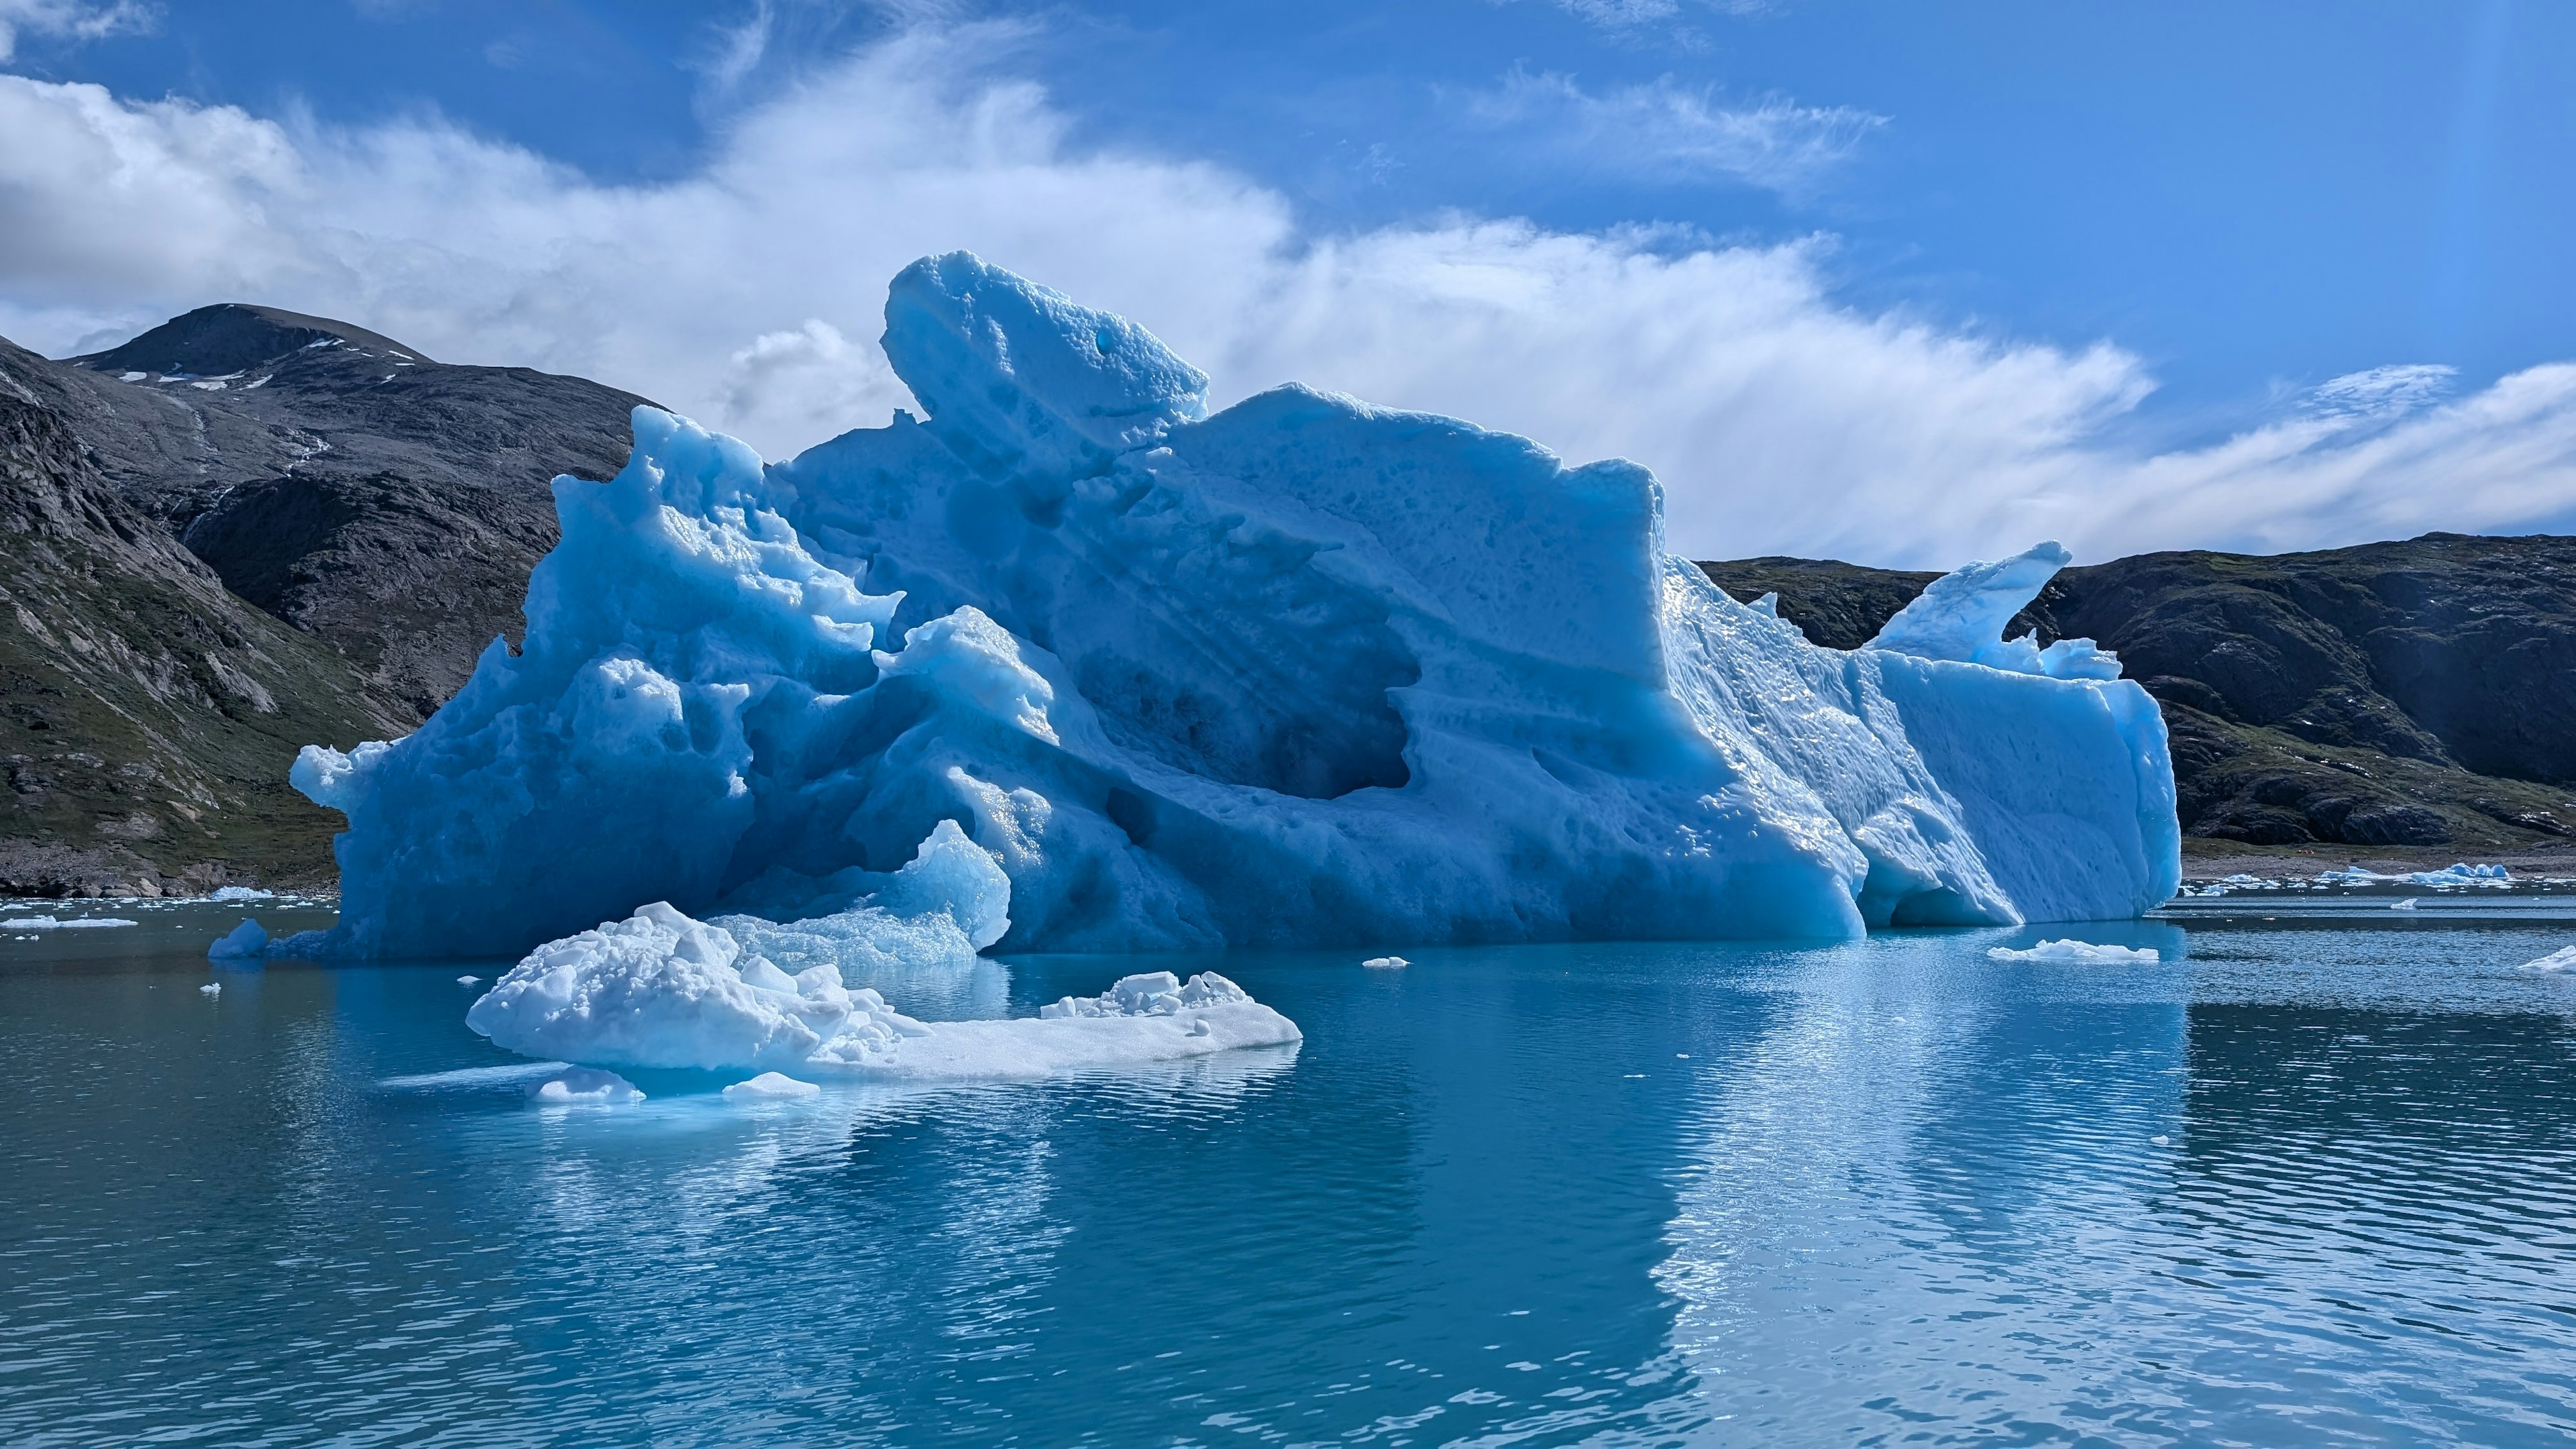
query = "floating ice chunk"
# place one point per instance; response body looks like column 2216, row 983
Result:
column 212, row 988
column 585, row 1085
column 771, row 1085
column 75, row 923
column 2561, row 959
column 2077, row 951
column 662, row 990
column 241, row 893
column 469, row 980
column 245, row 942
column 1386, row 963
column 2407, row 904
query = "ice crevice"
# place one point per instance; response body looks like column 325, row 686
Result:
column 1303, row 672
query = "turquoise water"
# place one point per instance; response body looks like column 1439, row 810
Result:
column 2308, row 1184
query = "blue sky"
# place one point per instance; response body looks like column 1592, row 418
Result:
column 2246, row 203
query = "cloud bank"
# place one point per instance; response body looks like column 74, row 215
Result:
column 748, row 294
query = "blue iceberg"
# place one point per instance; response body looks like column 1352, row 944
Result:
column 1303, row 672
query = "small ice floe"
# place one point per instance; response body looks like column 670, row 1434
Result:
column 241, row 893
column 469, row 980
column 1386, row 963
column 2407, row 904
column 212, row 988
column 770, row 1085
column 2078, row 951
column 2561, row 959
column 77, row 923
column 585, row 1085
column 245, row 942
column 2161, row 1140
column 662, row 990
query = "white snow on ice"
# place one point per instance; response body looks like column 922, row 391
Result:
column 2077, row 951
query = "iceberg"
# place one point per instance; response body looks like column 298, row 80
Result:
column 662, row 990
column 771, row 1086
column 245, row 942
column 1303, row 672
column 2562, row 959
column 583, row 1085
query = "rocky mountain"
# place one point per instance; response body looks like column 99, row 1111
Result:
column 346, row 483
column 2394, row 694
column 245, row 531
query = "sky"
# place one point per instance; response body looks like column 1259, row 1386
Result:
column 1893, row 282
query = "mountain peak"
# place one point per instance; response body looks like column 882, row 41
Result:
column 234, row 337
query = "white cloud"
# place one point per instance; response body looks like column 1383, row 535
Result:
column 1664, row 131
column 69, row 20
column 749, row 294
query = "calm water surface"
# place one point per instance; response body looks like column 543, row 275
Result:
column 2310, row 1183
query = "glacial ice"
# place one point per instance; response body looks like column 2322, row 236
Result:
column 67, row 923
column 2562, row 959
column 662, row 990
column 245, row 942
column 2457, row 876
column 771, row 1086
column 1304, row 672
column 2078, row 951
column 1386, row 963
column 585, row 1085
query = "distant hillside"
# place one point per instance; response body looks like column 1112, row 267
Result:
column 245, row 531
column 342, row 481
column 2416, row 693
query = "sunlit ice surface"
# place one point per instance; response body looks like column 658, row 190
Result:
column 2302, row 1179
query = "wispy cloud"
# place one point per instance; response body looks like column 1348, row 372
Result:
column 1667, row 132
column 2380, row 394
column 749, row 294
column 69, row 20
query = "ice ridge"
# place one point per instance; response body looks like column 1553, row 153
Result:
column 1300, row 672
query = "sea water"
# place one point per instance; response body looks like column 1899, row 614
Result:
column 2305, row 1180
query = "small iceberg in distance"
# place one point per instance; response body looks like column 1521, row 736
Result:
column 2078, row 951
